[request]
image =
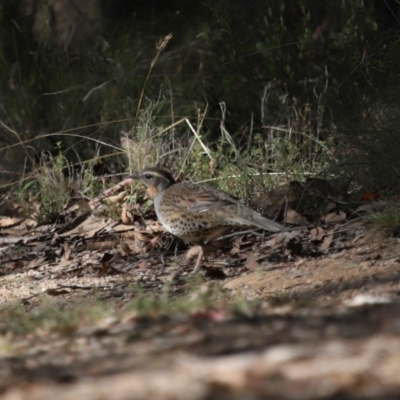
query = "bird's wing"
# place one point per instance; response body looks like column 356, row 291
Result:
column 201, row 199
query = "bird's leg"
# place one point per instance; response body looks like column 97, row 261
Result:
column 210, row 239
column 198, row 262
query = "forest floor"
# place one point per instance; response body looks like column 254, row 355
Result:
column 93, row 317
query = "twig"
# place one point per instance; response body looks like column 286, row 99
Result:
column 205, row 148
column 161, row 45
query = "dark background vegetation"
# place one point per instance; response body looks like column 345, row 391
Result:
column 299, row 73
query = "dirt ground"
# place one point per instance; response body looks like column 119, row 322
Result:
column 307, row 324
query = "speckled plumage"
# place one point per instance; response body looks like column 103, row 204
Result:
column 198, row 214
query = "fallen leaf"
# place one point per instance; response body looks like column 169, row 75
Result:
column 326, row 243
column 67, row 251
column 89, row 227
column 234, row 250
column 370, row 196
column 335, row 217
column 142, row 236
column 154, row 227
column 8, row 222
column 252, row 265
column 105, row 245
column 330, row 207
column 280, row 238
column 116, row 199
column 125, row 248
column 37, row 262
column 126, row 216
column 317, row 233
column 294, row 218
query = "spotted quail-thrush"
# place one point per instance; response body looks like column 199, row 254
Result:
column 198, row 214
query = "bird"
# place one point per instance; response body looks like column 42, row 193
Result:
column 198, row 214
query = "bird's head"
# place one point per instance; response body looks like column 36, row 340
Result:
column 156, row 180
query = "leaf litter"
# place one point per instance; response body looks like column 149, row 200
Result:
column 316, row 305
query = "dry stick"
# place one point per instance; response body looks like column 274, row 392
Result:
column 171, row 126
column 161, row 45
column 205, row 148
column 187, row 156
column 94, row 89
column 224, row 132
column 200, row 124
column 65, row 133
column 172, row 111
column 109, row 192
column 19, row 139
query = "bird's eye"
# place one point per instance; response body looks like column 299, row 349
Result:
column 148, row 176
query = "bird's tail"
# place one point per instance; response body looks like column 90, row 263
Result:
column 268, row 224
column 254, row 219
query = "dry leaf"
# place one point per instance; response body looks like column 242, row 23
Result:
column 54, row 239
column 335, row 217
column 116, row 199
column 126, row 216
column 39, row 247
column 125, row 248
column 280, row 238
column 317, row 233
column 154, row 227
column 370, row 196
column 90, row 227
column 142, row 236
column 235, row 250
column 326, row 243
column 67, row 251
column 294, row 218
column 8, row 222
column 252, row 265
column 330, row 207
column 37, row 262
column 106, row 245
